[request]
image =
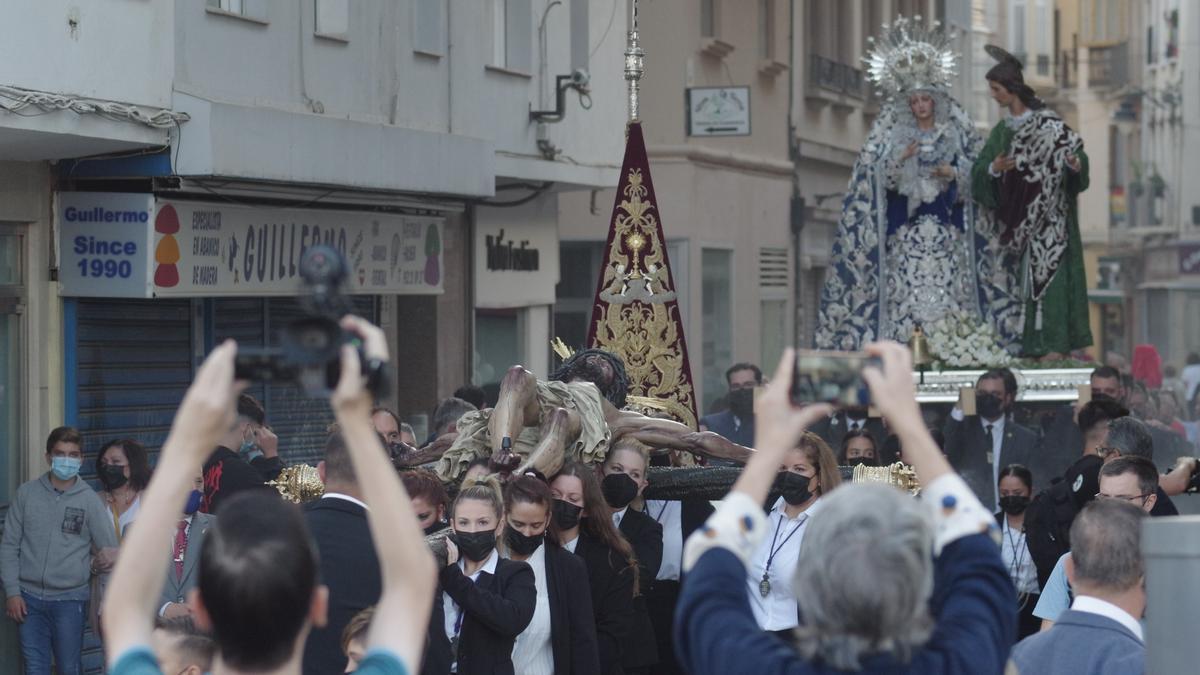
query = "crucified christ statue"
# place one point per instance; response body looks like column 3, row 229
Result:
column 575, row 415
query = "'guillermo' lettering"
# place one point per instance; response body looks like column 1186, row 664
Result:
column 271, row 251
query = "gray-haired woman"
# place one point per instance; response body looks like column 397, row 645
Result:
column 870, row 597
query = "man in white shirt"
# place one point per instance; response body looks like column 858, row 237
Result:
column 1100, row 634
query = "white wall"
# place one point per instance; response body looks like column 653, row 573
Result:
column 119, row 50
column 375, row 75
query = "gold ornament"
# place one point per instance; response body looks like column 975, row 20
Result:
column 299, row 483
column 899, row 474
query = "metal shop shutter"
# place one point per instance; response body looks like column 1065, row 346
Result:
column 133, row 366
column 299, row 421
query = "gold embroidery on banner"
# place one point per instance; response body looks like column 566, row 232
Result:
column 637, row 323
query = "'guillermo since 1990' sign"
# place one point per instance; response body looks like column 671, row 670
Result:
column 104, row 244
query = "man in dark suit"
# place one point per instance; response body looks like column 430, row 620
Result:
column 349, row 566
column 978, row 446
column 185, row 552
column 1100, row 634
column 736, row 423
column 1064, row 441
column 834, row 428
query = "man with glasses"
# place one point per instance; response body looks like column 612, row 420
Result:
column 736, row 423
column 1124, row 477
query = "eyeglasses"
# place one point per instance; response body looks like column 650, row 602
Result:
column 1126, row 498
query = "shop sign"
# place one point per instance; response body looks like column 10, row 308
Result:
column 516, row 264
column 216, row 249
column 104, row 244
column 130, row 245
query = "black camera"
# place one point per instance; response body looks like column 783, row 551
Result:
column 309, row 353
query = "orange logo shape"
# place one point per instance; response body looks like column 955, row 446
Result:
column 166, row 254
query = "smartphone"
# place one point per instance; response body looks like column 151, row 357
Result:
column 1085, row 394
column 831, row 377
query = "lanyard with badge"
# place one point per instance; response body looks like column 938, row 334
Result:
column 764, row 586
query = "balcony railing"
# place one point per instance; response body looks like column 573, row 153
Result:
column 835, row 76
column 1108, row 66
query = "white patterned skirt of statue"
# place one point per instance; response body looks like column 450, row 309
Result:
column 928, row 271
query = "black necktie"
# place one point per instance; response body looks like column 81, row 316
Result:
column 991, row 441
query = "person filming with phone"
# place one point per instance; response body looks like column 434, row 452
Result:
column 871, row 598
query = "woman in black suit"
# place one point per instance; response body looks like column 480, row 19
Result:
column 486, row 600
column 1015, row 487
column 622, row 479
column 561, row 638
column 584, row 526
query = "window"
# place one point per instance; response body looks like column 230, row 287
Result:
column 1016, row 30
column 499, row 344
column 254, row 10
column 766, row 30
column 774, row 335
column 333, row 17
column 872, row 15
column 512, row 28
column 1041, row 49
column 1103, row 21
column 716, row 297
column 232, row 6
column 579, row 270
column 12, row 385
column 708, row 18
column 429, row 27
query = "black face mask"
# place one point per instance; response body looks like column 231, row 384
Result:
column 475, row 546
column 741, row 402
column 566, row 515
column 989, row 406
column 437, row 526
column 855, row 461
column 619, row 489
column 522, row 544
column 1014, row 505
column 793, row 487
column 112, row 476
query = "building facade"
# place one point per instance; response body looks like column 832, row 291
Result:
column 750, row 212
column 217, row 140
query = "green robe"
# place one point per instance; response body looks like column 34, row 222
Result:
column 1065, row 323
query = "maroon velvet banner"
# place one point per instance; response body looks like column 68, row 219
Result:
column 636, row 313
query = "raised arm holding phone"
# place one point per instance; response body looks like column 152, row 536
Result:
column 901, row 621
column 262, row 566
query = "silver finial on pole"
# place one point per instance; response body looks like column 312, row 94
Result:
column 633, row 64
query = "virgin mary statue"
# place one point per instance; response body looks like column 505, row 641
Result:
column 912, row 246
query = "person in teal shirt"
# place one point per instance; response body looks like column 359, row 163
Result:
column 259, row 592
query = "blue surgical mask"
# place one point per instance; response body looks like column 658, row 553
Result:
column 249, row 450
column 65, row 468
column 193, row 502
